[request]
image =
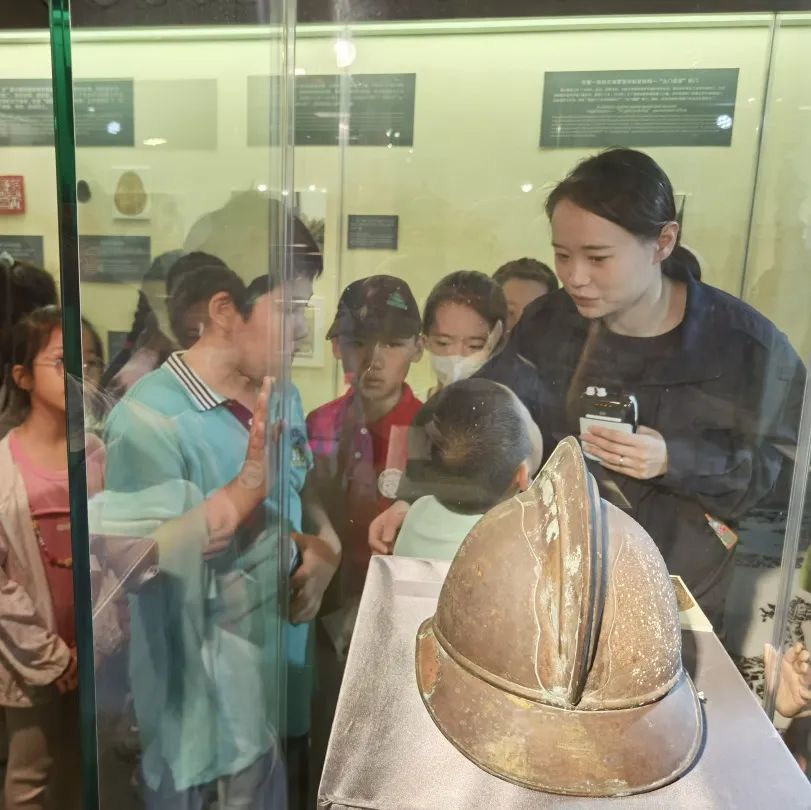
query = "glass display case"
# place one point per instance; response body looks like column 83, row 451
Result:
column 182, row 550
column 316, row 184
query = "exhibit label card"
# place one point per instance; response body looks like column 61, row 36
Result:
column 638, row 108
column 23, row 248
column 103, row 112
column 372, row 232
column 380, row 109
column 114, row 258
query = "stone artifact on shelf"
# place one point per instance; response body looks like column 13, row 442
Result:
column 130, row 197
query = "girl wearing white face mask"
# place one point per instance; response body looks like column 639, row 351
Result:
column 463, row 323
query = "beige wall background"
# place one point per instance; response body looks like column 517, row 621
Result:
column 460, row 192
column 778, row 267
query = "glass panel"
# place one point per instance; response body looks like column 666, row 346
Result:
column 423, row 149
column 432, row 147
column 459, row 218
column 193, row 280
column 779, row 252
column 33, row 466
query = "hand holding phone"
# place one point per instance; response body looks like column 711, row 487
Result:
column 641, row 455
column 599, row 409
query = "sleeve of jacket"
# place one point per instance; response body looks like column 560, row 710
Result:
column 730, row 470
column 27, row 647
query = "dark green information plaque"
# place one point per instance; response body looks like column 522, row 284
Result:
column 24, row 248
column 638, row 108
column 114, row 258
column 381, row 109
column 372, row 232
column 103, row 112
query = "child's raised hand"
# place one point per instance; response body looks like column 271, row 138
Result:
column 253, row 475
column 228, row 507
column 794, row 685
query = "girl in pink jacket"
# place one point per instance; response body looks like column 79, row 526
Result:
column 38, row 671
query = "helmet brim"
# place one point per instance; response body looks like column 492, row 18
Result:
column 611, row 752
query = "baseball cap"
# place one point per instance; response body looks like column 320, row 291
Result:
column 377, row 305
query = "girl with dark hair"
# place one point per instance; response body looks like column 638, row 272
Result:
column 23, row 288
column 463, row 324
column 38, row 671
column 93, row 353
column 718, row 387
column 523, row 280
column 139, row 323
column 148, row 343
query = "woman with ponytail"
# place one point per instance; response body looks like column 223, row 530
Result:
column 718, row 387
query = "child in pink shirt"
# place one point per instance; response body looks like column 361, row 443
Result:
column 38, row 670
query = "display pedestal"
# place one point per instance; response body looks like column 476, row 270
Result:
column 385, row 753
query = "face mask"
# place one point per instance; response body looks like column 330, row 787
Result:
column 452, row 368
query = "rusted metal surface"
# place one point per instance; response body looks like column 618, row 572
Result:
column 554, row 657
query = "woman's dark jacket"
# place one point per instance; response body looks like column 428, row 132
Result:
column 727, row 402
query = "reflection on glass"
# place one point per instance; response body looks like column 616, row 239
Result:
column 193, row 303
column 259, row 370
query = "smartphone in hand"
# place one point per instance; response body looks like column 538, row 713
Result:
column 599, row 408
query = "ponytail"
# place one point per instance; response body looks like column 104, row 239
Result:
column 680, row 263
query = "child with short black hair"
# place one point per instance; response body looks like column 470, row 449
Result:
column 471, row 446
column 198, row 277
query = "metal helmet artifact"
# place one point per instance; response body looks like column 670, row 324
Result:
column 554, row 656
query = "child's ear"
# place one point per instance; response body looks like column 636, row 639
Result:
column 419, row 347
column 336, row 349
column 21, row 377
column 521, row 478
